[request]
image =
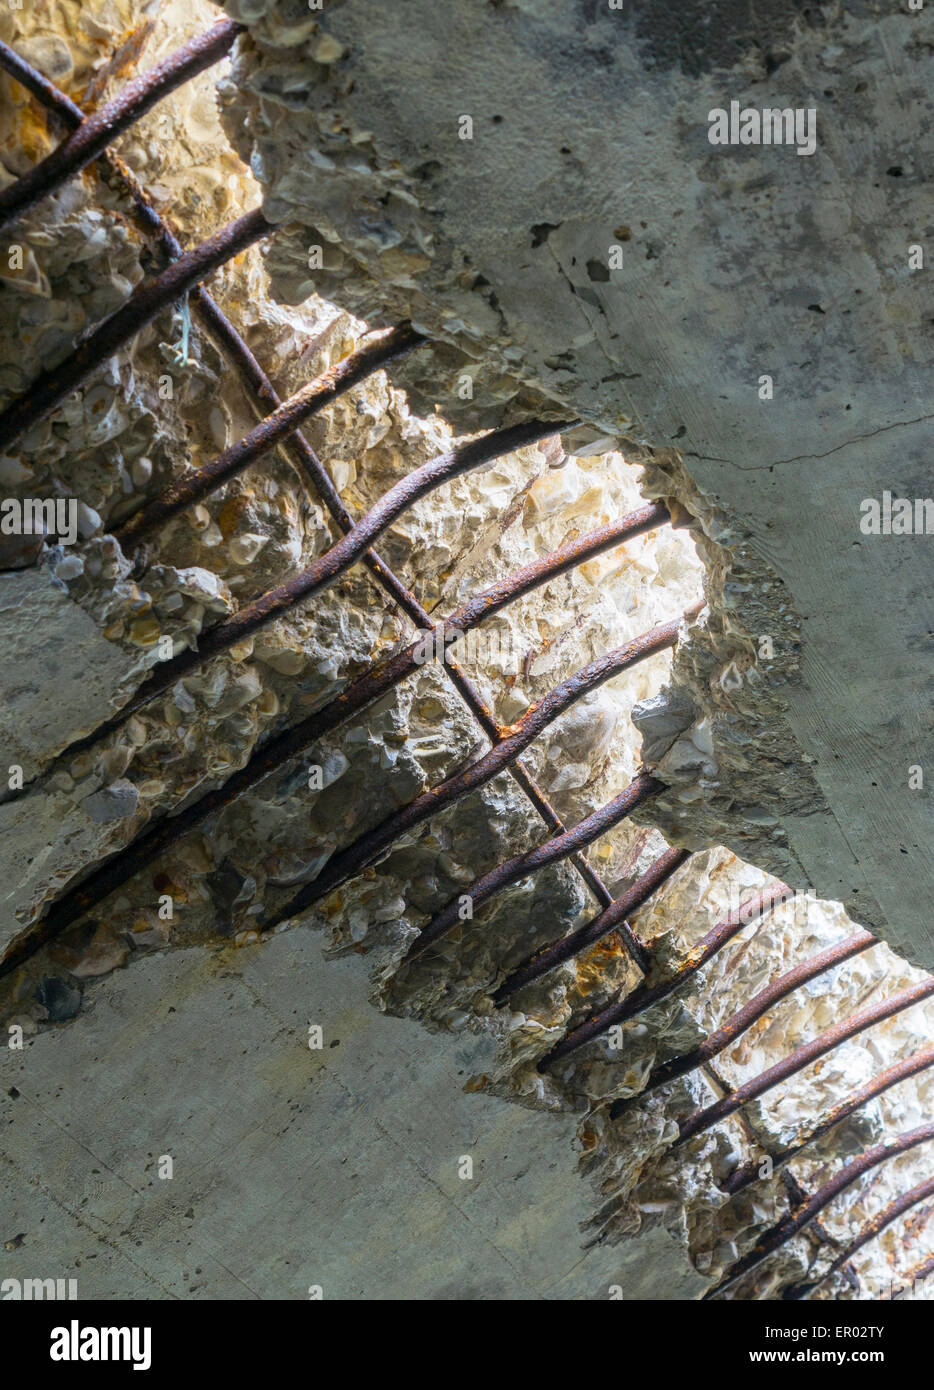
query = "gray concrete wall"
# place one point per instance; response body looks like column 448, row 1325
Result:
column 293, row 1167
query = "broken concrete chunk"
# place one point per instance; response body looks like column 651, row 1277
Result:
column 660, row 719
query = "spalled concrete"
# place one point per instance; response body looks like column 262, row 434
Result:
column 342, row 1167
column 587, row 139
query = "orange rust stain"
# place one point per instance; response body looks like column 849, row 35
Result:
column 34, row 132
column 230, row 514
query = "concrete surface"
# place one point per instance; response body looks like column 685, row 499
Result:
column 335, row 1167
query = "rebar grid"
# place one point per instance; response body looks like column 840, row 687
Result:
column 873, row 1227
column 230, row 342
column 913, row 1065
column 805, row 1212
column 803, row 1056
column 371, row 685
column 744, row 1018
column 538, row 717
column 644, row 995
column 89, row 140
column 52, row 386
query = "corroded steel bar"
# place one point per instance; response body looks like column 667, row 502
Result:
column 234, row 347
column 341, row 556
column 803, row 1057
column 645, row 995
column 373, row 684
column 873, row 1227
column 40, row 87
column 537, row 718
column 745, row 1017
column 360, row 693
column 805, row 1212
column 900, row 1071
column 51, row 387
column 311, row 399
column 640, row 790
column 550, row 566
column 523, row 778
column 98, row 131
column 596, row 929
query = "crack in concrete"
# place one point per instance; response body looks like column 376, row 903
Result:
column 802, row 458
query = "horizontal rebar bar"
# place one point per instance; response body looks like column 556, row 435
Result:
column 873, row 1227
column 98, row 131
column 917, row 1062
column 745, row 1017
column 51, row 387
column 549, row 957
column 368, row 846
column 312, row 398
column 344, row 553
column 520, row 866
column 803, row 1056
column 800, row 1216
column 645, row 995
column 359, row 694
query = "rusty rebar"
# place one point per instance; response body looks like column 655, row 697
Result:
column 557, row 562
column 803, row 1057
column 645, row 995
column 51, row 387
column 312, row 398
column 745, row 1017
column 342, row 555
column 359, row 694
column 872, row 1228
column 371, row 844
column 805, row 1212
column 98, row 131
column 41, row 88
column 549, row 957
column 748, row 1173
column 231, row 344
column 553, row 851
